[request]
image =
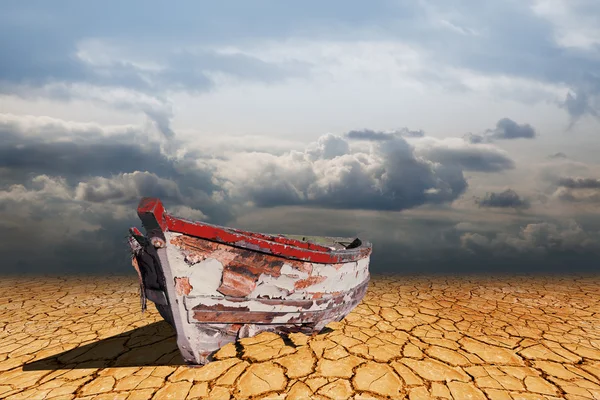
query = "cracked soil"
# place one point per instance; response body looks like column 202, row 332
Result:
column 411, row 337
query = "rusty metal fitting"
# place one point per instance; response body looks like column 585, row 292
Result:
column 157, row 242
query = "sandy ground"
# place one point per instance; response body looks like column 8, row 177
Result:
column 415, row 338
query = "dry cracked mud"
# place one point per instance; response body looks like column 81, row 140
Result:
column 415, row 338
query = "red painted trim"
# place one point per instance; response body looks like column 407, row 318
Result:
column 135, row 231
column 279, row 246
column 252, row 243
column 283, row 240
column 150, row 205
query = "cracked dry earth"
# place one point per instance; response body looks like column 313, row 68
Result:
column 415, row 338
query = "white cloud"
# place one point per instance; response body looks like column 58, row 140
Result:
column 45, row 208
column 43, row 187
column 575, row 21
column 535, row 238
column 127, row 187
column 49, row 129
column 464, row 155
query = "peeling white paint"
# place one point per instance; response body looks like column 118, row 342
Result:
column 253, row 305
column 289, row 270
column 268, row 285
column 205, row 277
column 339, row 280
column 179, row 267
column 266, row 290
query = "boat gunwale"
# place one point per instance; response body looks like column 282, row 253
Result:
column 254, row 241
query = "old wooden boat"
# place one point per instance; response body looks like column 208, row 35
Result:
column 215, row 284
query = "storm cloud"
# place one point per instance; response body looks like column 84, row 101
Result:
column 105, row 164
column 468, row 157
column 537, row 238
column 579, row 183
column 506, row 129
column 558, row 155
column 383, row 175
column 578, row 190
column 371, row 135
column 505, row 199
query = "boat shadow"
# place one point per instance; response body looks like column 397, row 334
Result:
column 151, row 345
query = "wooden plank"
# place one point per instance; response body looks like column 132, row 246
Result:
column 253, row 317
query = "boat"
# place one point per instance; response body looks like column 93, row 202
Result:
column 215, row 285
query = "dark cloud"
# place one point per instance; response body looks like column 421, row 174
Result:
column 558, row 155
column 83, row 229
column 119, row 166
column 388, row 176
column 471, row 158
column 573, row 196
column 570, row 182
column 579, row 183
column 371, row 135
column 75, row 161
column 408, row 133
column 367, row 134
column 577, row 190
column 505, row 199
column 538, row 239
column 127, row 188
column 475, row 138
column 506, row 129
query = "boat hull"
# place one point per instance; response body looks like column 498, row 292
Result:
column 214, row 293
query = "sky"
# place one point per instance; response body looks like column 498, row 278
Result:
column 456, row 136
